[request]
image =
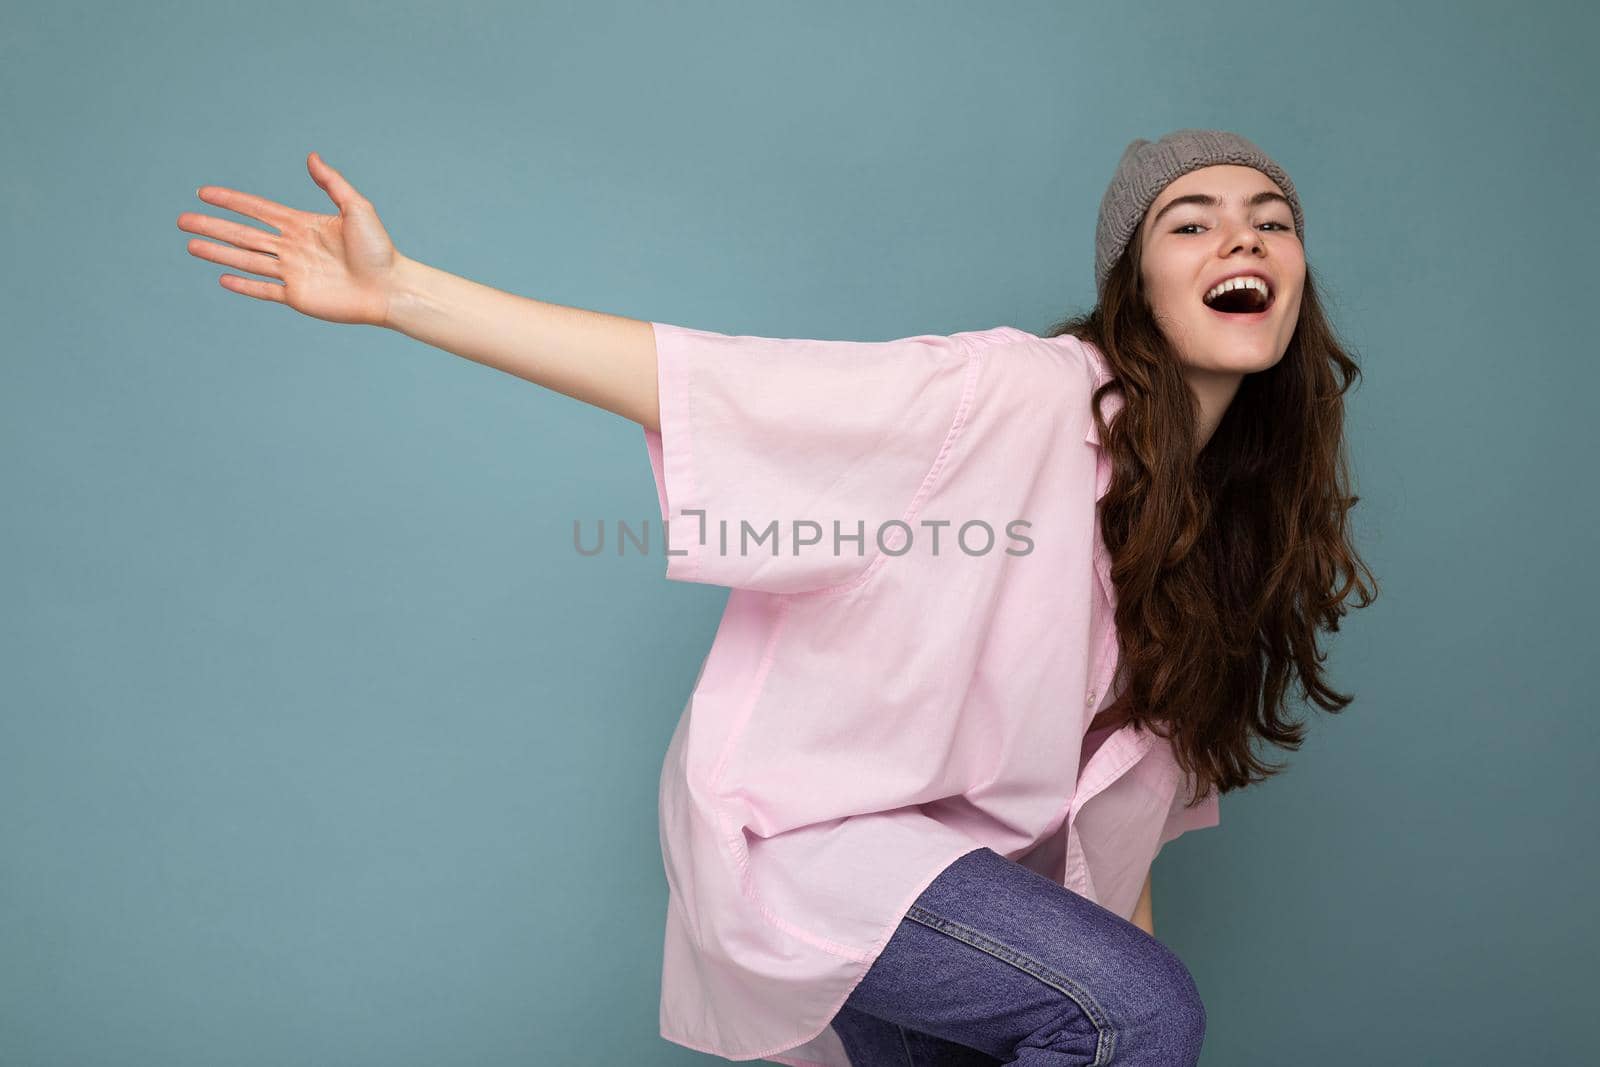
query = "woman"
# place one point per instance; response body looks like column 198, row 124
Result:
column 892, row 834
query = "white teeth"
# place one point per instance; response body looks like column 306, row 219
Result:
column 1250, row 281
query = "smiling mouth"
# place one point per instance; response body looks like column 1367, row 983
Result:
column 1243, row 301
column 1242, row 305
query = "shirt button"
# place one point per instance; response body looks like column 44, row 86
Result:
column 1090, row 699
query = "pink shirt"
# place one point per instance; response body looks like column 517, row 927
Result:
column 871, row 710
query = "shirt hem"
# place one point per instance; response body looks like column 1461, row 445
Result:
column 864, row 964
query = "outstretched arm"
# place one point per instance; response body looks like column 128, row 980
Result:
column 605, row 360
column 344, row 268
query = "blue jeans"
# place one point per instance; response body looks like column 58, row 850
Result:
column 995, row 963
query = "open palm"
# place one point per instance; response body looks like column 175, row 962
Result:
column 334, row 267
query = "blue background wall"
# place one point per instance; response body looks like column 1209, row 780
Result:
column 320, row 744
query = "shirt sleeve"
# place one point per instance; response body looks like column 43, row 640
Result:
column 1181, row 818
column 781, row 464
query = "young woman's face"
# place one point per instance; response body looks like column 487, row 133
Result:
column 1188, row 247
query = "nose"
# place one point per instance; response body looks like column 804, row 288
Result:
column 1239, row 235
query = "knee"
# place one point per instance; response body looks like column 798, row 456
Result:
column 1177, row 1018
column 1151, row 1017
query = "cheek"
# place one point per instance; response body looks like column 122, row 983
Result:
column 1172, row 302
column 1293, row 315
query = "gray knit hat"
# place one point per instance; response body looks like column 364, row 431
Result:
column 1148, row 167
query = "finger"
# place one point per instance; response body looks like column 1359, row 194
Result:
column 254, row 262
column 257, row 207
column 235, row 233
column 250, row 287
column 332, row 182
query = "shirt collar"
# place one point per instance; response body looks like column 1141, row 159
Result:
column 1102, row 474
column 1099, row 373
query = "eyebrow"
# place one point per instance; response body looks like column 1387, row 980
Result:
column 1265, row 196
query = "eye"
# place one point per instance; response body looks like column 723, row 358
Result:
column 1193, row 225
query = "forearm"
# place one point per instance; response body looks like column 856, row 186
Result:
column 1144, row 911
column 605, row 360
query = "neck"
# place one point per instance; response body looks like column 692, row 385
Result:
column 1213, row 392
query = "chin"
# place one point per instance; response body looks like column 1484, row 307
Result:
column 1235, row 359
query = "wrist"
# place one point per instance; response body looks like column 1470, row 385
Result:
column 406, row 293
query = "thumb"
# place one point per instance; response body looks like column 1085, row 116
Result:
column 332, row 182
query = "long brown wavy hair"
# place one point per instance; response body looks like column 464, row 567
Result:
column 1227, row 563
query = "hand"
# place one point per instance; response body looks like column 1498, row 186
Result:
column 334, row 267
